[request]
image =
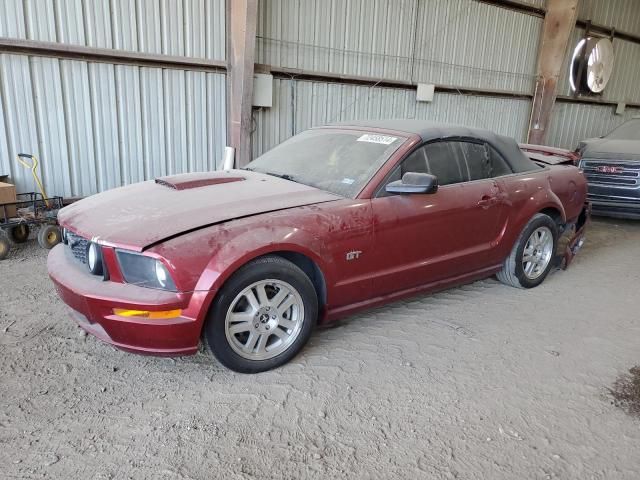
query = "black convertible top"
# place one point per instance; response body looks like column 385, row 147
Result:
column 429, row 131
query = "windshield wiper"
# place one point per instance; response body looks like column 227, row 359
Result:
column 281, row 175
column 284, row 176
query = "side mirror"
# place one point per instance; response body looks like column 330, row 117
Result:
column 413, row 182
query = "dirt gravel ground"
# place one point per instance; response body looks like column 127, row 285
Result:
column 479, row 382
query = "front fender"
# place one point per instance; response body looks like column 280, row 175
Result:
column 204, row 260
column 240, row 247
column 249, row 245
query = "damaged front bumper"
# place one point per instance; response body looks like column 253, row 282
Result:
column 92, row 302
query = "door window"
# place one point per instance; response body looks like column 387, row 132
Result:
column 435, row 158
column 415, row 162
column 482, row 161
column 446, row 161
column 454, row 161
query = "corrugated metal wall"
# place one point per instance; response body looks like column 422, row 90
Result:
column 95, row 126
column 572, row 122
column 299, row 105
column 189, row 28
column 99, row 125
column 464, row 43
column 447, row 42
column 624, row 15
column 355, row 37
column 534, row 3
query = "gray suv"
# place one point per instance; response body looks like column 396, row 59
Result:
column 612, row 167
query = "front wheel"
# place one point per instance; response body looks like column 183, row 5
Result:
column 262, row 317
column 531, row 258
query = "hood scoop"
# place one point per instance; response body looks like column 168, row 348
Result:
column 188, row 181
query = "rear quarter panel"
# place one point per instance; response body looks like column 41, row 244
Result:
column 570, row 186
column 562, row 188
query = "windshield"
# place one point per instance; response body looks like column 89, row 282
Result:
column 338, row 161
column 629, row 130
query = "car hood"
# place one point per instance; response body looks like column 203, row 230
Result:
column 611, row 149
column 143, row 214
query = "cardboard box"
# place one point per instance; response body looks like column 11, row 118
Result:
column 7, row 195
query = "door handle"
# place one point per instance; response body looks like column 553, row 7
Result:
column 487, row 201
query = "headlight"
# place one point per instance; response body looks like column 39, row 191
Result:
column 94, row 259
column 161, row 274
column 144, row 271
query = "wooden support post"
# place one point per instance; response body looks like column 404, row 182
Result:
column 242, row 17
column 558, row 23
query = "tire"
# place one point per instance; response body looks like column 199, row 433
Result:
column 19, row 233
column 234, row 322
column 514, row 270
column 49, row 236
column 5, row 247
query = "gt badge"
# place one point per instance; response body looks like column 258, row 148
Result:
column 353, row 255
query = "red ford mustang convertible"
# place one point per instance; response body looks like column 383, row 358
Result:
column 334, row 220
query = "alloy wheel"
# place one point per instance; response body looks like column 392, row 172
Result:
column 537, row 252
column 264, row 319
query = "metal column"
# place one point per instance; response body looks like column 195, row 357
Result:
column 558, row 23
column 242, row 41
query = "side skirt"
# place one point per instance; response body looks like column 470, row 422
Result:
column 334, row 314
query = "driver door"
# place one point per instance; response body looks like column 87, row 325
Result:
column 426, row 238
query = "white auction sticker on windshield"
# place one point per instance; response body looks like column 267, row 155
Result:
column 383, row 139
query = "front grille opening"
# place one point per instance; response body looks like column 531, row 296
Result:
column 78, row 246
column 610, row 180
column 612, row 173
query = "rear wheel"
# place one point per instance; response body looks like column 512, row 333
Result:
column 19, row 233
column 531, row 258
column 49, row 236
column 262, row 317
